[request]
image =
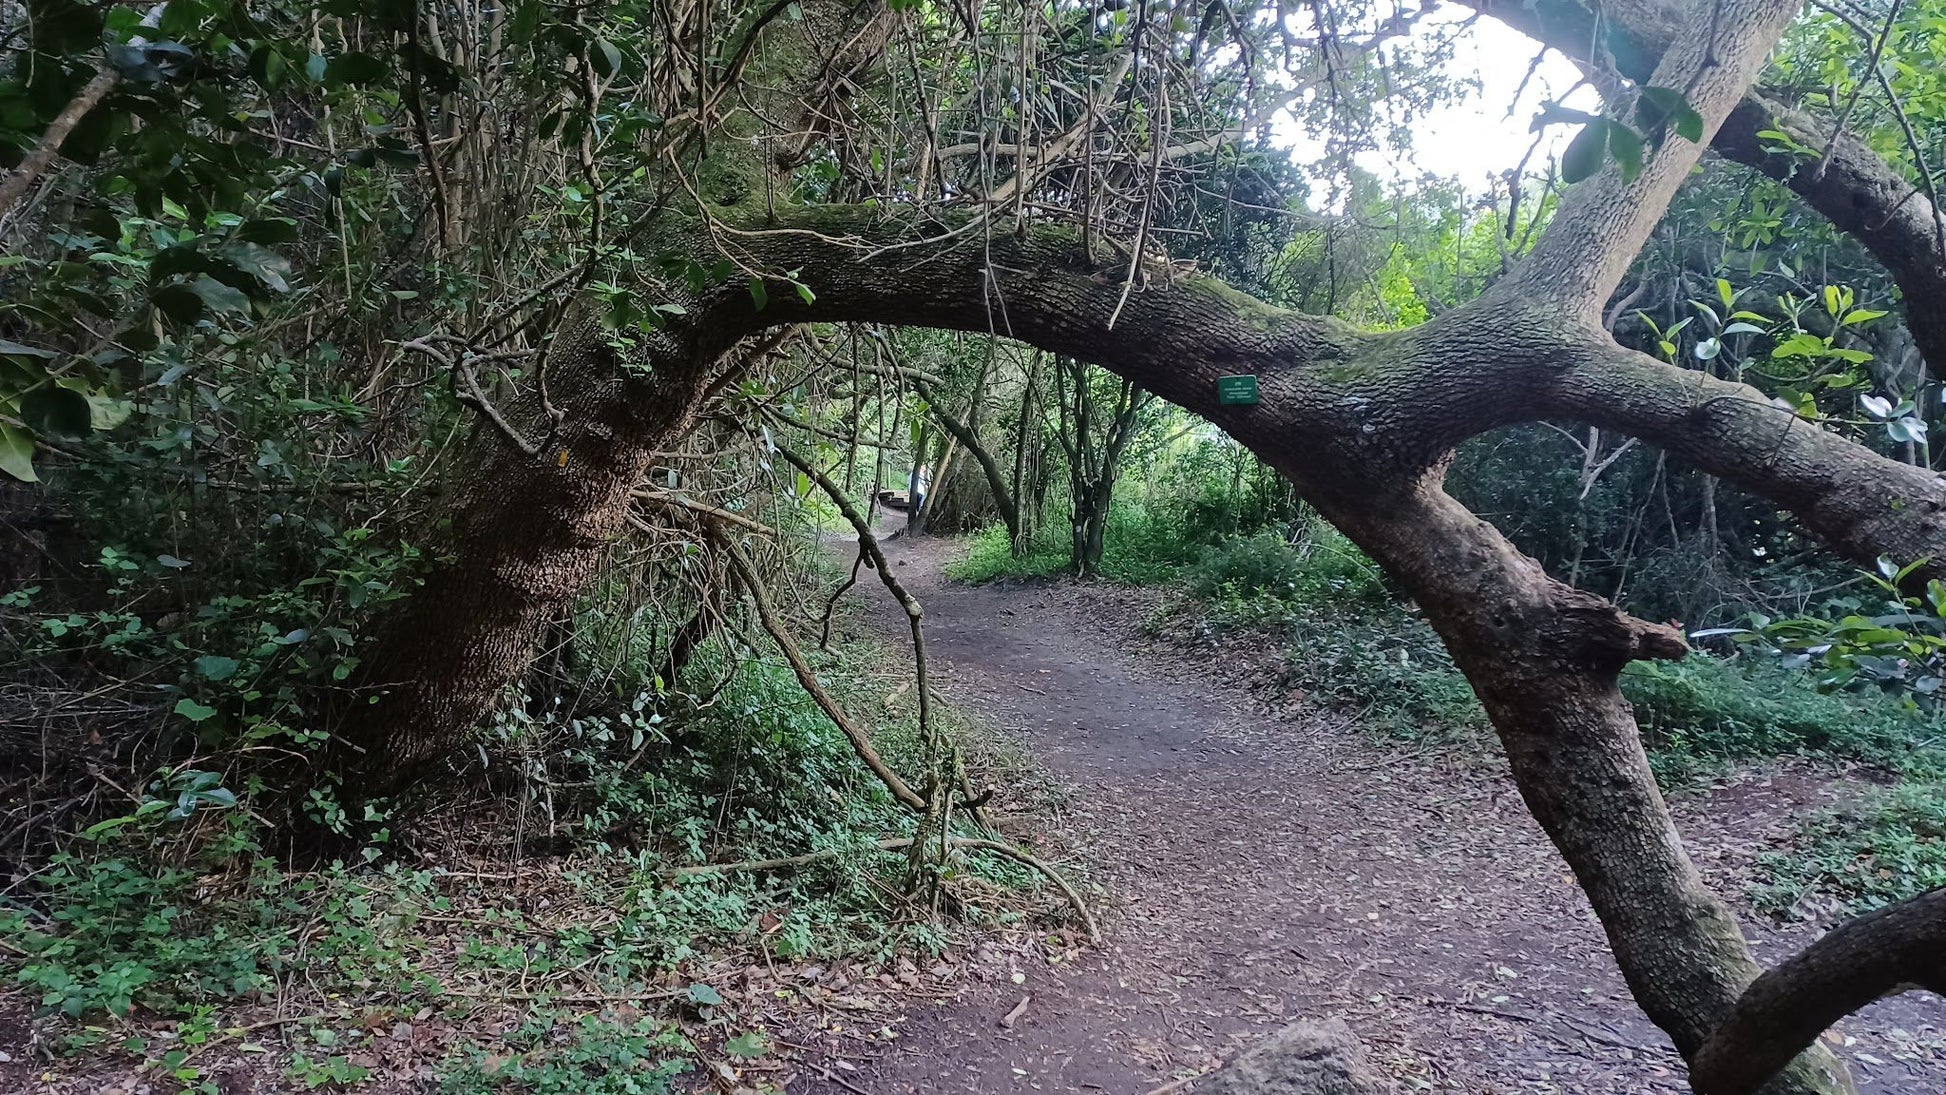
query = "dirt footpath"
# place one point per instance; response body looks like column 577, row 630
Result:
column 1263, row 869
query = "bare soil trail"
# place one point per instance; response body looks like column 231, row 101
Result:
column 1263, row 869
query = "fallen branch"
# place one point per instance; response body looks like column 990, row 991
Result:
column 894, row 844
column 890, row 844
column 1008, row 1020
column 875, row 556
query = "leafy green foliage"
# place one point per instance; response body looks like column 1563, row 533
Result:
column 1889, row 846
column 1892, row 641
column 1703, row 711
column 601, row 1054
column 1143, row 546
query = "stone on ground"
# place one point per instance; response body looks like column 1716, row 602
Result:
column 1320, row 1057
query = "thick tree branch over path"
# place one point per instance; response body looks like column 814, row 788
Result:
column 1896, row 948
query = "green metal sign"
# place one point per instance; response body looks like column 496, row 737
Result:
column 1236, row 390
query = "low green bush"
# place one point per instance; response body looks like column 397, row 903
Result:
column 1704, row 710
column 1142, row 547
column 592, row 1055
column 1386, row 667
column 1250, row 566
column 1889, row 846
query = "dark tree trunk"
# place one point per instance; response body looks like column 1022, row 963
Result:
column 526, row 533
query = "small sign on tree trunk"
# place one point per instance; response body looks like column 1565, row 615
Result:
column 1236, row 390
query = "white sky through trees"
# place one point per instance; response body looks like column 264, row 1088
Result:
column 1480, row 135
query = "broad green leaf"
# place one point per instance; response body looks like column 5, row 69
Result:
column 354, row 69
column 178, row 302
column 1626, row 145
column 54, row 411
column 215, row 667
column 759, row 295
column 1583, row 157
column 193, row 711
column 607, row 59
column 220, row 297
column 17, row 454
column 10, row 348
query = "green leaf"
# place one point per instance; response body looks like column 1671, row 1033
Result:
column 1583, row 157
column 759, row 295
column 17, row 454
column 14, row 349
column 268, row 230
column 105, row 412
column 607, row 59
column 1799, row 345
column 178, row 302
column 747, row 1046
column 1661, row 108
column 193, row 711
column 216, row 667
column 1626, row 145
column 704, row 995
column 262, row 263
column 220, row 297
column 54, row 411
column 354, row 69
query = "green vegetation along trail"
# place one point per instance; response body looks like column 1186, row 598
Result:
column 1262, row 869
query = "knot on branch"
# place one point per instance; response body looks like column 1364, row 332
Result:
column 1601, row 634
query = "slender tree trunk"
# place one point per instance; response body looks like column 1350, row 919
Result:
column 1027, row 441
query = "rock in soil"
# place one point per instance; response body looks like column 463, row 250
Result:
column 1308, row 1058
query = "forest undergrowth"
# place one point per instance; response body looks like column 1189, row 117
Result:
column 599, row 910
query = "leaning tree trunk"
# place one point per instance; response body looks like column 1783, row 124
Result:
column 1545, row 660
column 527, row 530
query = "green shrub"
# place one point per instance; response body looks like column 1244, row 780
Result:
column 115, row 934
column 1252, row 566
column 1387, row 667
column 1705, row 709
column 1142, row 546
column 595, row 1055
column 1889, row 846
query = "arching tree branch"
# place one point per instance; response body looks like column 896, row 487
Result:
column 1896, row 948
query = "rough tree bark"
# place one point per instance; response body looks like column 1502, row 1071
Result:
column 527, row 531
column 1894, row 949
